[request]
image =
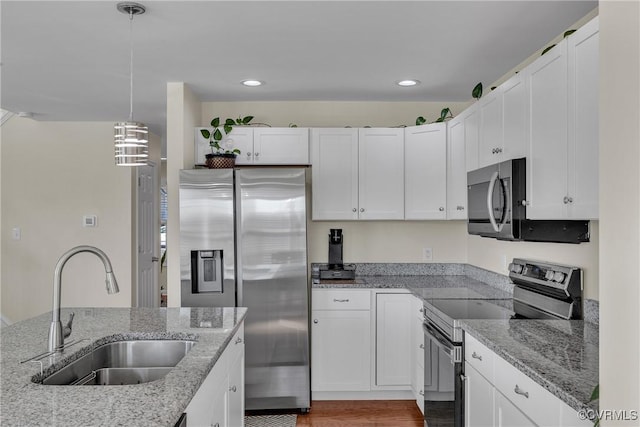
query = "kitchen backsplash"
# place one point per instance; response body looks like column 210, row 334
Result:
column 496, row 280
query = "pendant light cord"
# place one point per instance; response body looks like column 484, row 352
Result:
column 131, row 64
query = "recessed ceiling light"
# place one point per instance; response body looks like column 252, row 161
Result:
column 408, row 82
column 252, row 83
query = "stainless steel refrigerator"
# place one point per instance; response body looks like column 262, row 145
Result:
column 243, row 242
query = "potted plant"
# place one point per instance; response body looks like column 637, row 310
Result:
column 222, row 156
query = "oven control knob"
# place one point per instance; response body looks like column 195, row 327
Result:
column 549, row 275
column 515, row 268
column 558, row 276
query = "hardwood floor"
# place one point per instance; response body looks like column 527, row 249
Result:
column 365, row 413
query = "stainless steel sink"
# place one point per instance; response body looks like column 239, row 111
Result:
column 123, row 362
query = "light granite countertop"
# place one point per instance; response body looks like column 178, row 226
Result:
column 157, row 403
column 560, row 355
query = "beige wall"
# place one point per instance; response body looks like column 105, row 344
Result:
column 53, row 173
column 620, row 207
column 391, row 241
column 183, row 114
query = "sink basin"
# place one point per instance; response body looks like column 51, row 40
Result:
column 123, row 362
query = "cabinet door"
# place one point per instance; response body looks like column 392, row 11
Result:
column 515, row 107
column 340, row 350
column 583, row 57
column 456, row 171
column 210, row 403
column 547, row 160
column 490, row 143
column 381, row 173
column 425, row 171
column 334, row 161
column 479, row 399
column 393, row 339
column 241, row 137
column 508, row 415
column 236, row 393
column 284, row 146
column 471, row 127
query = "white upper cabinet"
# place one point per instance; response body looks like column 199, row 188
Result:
column 547, row 161
column 562, row 167
column 381, row 173
column 515, row 114
column 583, row 61
column 241, row 137
column 334, row 159
column 264, row 145
column 490, row 143
column 281, row 146
column 456, row 170
column 425, row 171
column 471, row 120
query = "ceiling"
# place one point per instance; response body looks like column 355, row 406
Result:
column 69, row 60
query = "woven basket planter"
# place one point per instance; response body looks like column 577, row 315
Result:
column 219, row 161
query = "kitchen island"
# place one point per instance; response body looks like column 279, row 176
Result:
column 156, row 403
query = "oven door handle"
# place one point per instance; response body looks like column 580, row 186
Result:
column 497, row 227
column 440, row 340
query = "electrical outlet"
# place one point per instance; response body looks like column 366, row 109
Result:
column 427, row 254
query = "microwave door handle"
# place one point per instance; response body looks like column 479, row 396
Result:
column 497, row 227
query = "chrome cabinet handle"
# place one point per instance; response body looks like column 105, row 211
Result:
column 421, row 346
column 341, row 300
column 361, row 209
column 256, row 154
column 216, row 425
column 233, row 389
column 248, row 154
column 498, row 150
column 315, row 320
column 476, row 356
column 565, row 200
column 238, row 340
column 493, row 151
column 354, row 209
column 421, row 392
column 441, row 209
column 421, row 310
column 521, row 392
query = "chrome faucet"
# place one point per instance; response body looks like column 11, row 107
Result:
column 56, row 333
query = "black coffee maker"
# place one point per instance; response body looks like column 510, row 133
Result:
column 336, row 269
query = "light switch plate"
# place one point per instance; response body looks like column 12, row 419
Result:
column 90, row 221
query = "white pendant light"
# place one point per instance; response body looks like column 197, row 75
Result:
column 131, row 138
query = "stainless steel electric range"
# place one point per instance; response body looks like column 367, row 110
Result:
column 541, row 291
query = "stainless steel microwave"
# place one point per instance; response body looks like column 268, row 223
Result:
column 497, row 205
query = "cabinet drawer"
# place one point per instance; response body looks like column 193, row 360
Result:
column 341, row 299
column 479, row 356
column 531, row 398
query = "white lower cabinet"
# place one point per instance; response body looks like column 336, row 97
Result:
column 498, row 394
column 219, row 402
column 340, row 340
column 393, row 334
column 479, row 399
column 417, row 351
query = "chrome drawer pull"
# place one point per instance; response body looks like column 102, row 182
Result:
column 521, row 392
column 238, row 340
column 341, row 300
column 233, row 389
column 476, row 356
column 421, row 393
column 422, row 346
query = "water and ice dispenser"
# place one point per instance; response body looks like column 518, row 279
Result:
column 206, row 271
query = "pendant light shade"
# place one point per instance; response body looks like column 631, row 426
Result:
column 131, row 138
column 131, row 143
